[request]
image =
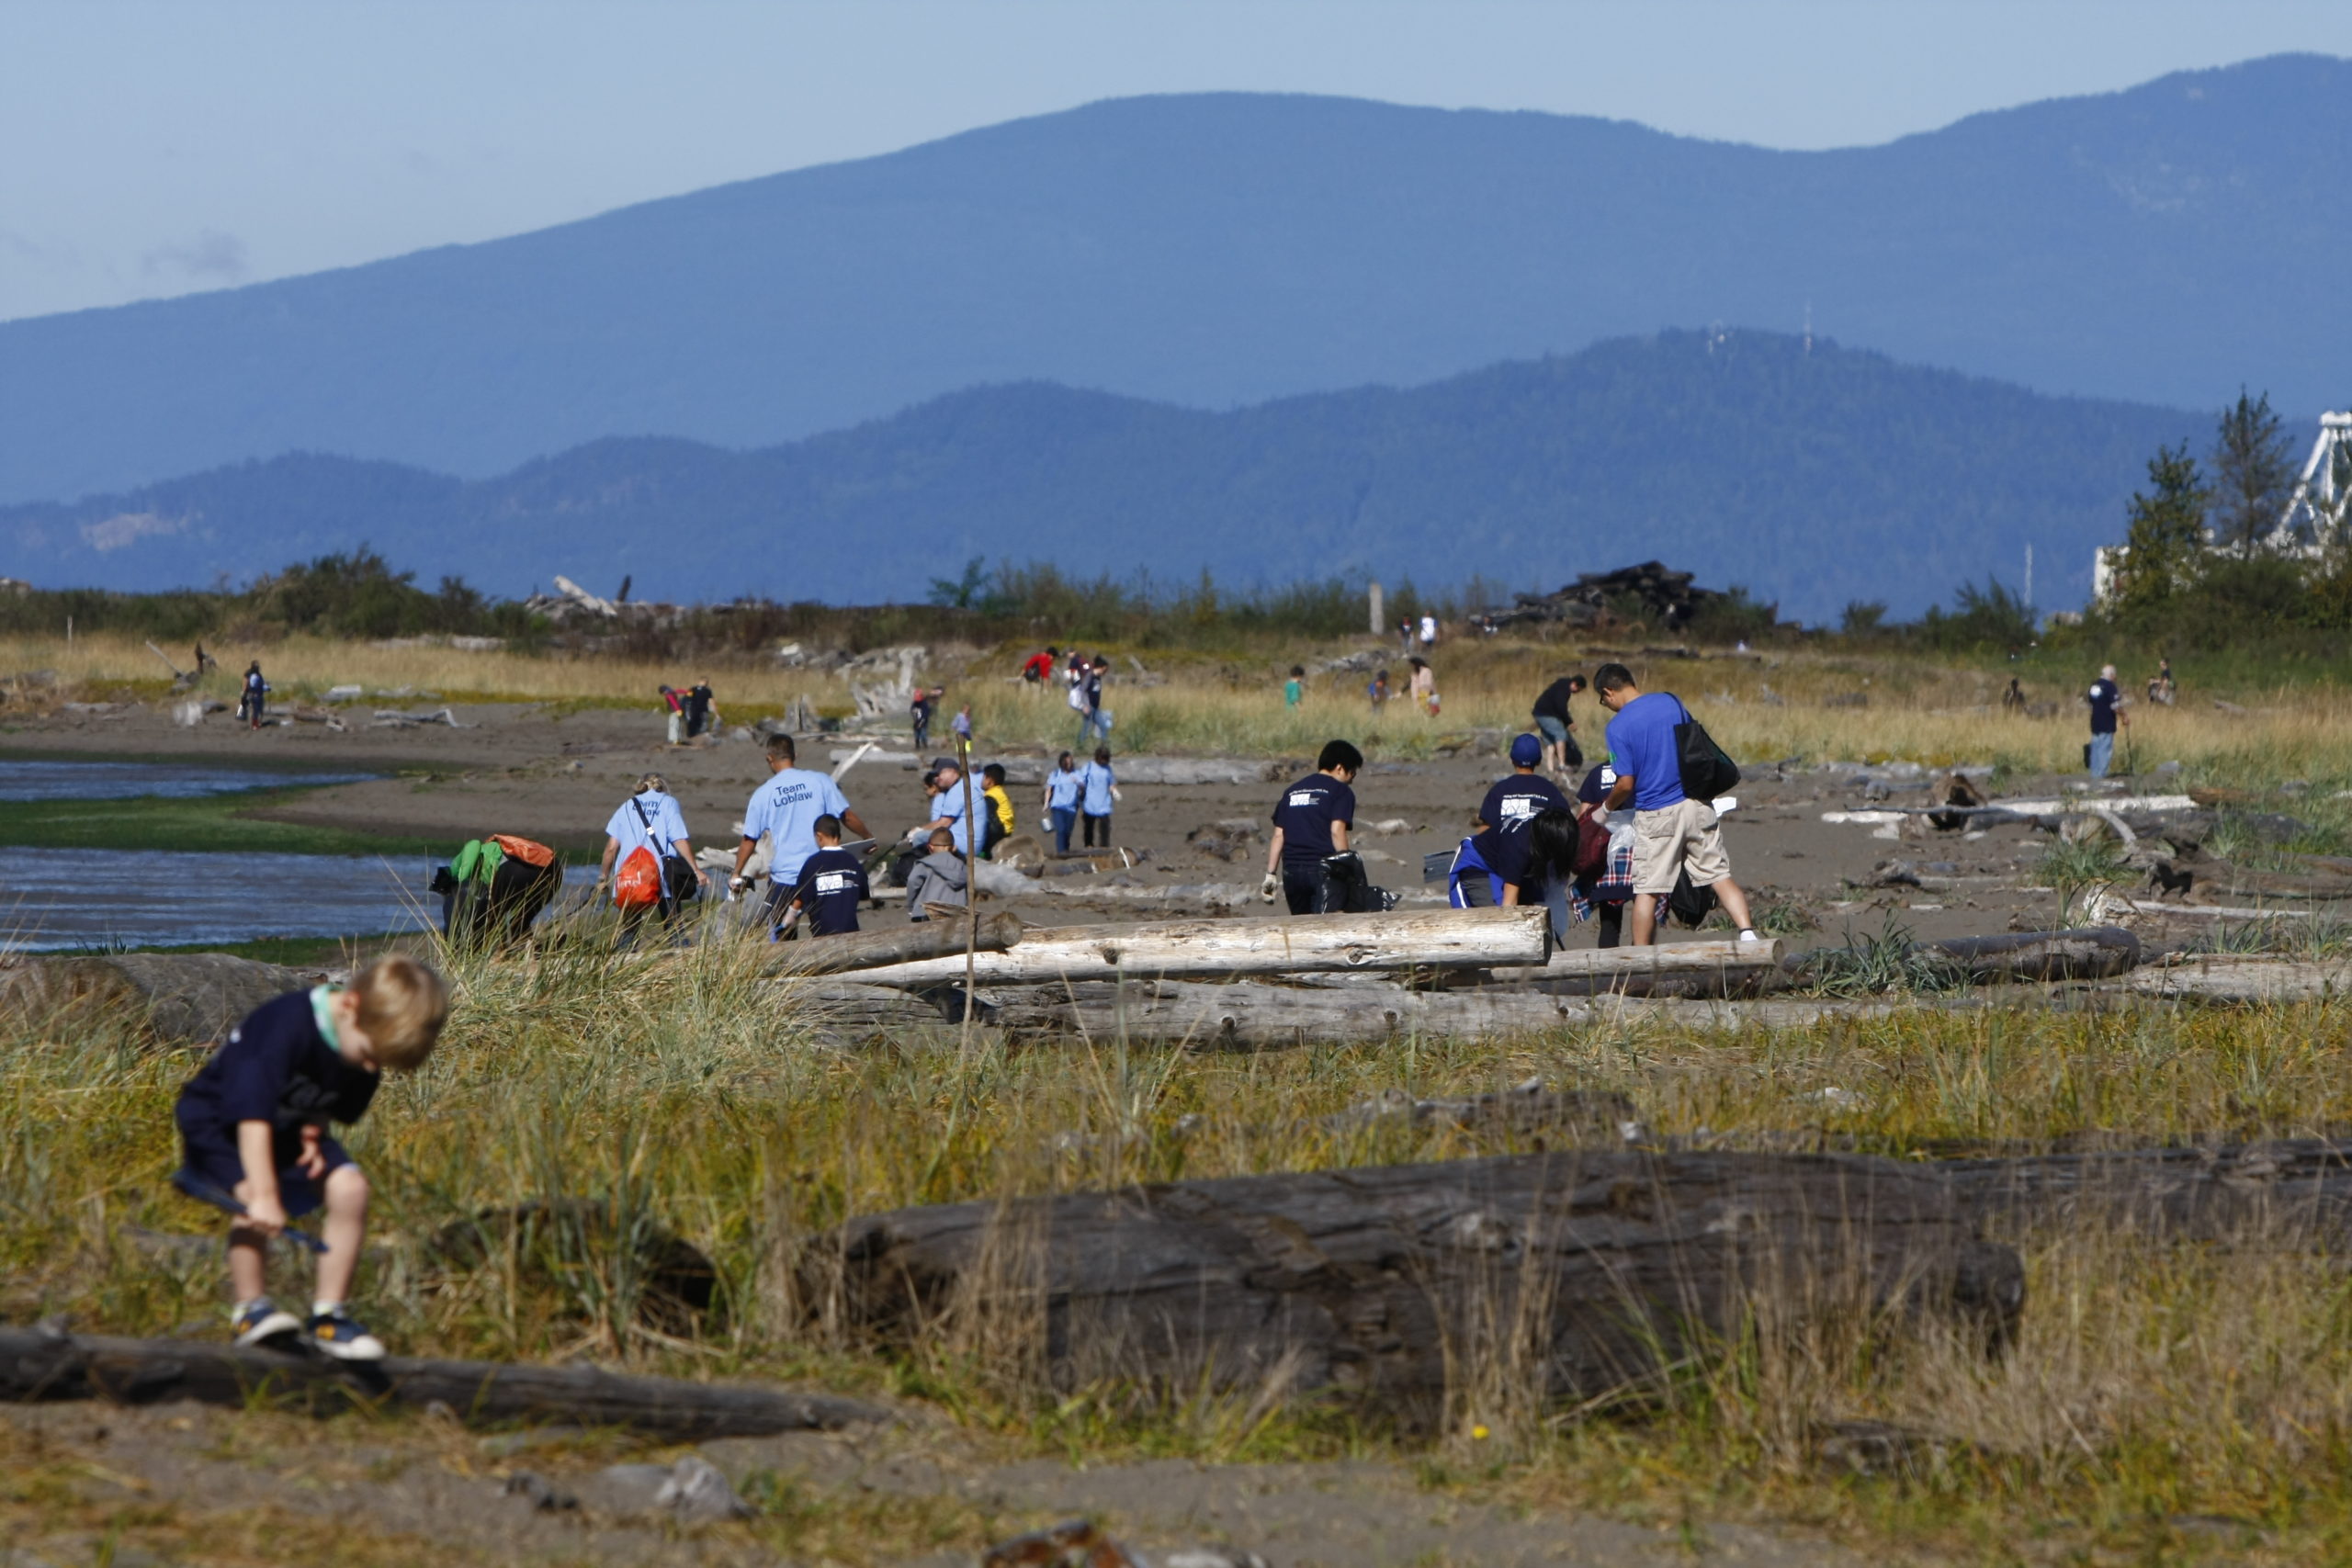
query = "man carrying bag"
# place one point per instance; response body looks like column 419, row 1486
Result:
column 1670, row 770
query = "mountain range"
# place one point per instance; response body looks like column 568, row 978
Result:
column 1809, row 473
column 2164, row 243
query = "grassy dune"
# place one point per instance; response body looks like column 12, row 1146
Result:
column 2154, row 1382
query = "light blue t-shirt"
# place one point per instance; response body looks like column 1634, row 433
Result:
column 1641, row 741
column 629, row 828
column 1098, row 782
column 1063, row 788
column 950, row 805
column 787, row 806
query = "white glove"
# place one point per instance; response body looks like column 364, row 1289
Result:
column 1270, row 889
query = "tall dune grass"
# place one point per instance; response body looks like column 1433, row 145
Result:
column 2153, row 1378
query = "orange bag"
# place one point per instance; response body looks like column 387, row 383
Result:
column 638, row 884
column 530, row 852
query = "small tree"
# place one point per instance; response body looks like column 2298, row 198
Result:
column 2253, row 470
column 2163, row 552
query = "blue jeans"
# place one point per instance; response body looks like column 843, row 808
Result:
column 1064, row 819
column 2102, row 754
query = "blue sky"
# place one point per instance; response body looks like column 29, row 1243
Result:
column 156, row 148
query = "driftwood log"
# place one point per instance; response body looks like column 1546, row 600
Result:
column 2247, row 979
column 842, row 1012
column 1382, row 1279
column 894, row 944
column 2092, row 953
column 1251, row 1016
column 2294, row 1191
column 1671, row 969
column 1298, row 945
column 180, row 997
column 38, row 1364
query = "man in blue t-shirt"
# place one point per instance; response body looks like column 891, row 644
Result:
column 787, row 809
column 2104, row 697
column 1510, row 806
column 1672, row 833
column 1311, row 825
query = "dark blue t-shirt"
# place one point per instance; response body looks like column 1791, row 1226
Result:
column 1641, row 742
column 1307, row 810
column 832, row 885
column 276, row 1067
column 1510, row 807
column 2103, row 695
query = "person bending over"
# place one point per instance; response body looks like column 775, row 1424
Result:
column 254, row 1121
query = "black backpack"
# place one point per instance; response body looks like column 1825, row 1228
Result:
column 1707, row 770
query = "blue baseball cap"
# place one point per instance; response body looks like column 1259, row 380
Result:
column 1526, row 751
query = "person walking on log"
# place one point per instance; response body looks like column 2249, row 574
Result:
column 1558, row 726
column 1502, row 847
column 1311, row 825
column 2106, row 699
column 1065, row 788
column 252, row 1125
column 785, row 809
column 1672, row 833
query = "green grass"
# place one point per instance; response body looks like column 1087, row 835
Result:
column 220, row 823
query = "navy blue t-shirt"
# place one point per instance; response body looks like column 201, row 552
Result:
column 1305, row 814
column 1510, row 807
column 2103, row 695
column 832, row 885
column 276, row 1067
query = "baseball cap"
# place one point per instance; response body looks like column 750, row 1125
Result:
column 1526, row 751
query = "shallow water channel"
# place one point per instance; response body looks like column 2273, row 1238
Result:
column 53, row 898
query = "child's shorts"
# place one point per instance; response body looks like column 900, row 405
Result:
column 212, row 1158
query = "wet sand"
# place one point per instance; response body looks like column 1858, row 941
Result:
column 524, row 770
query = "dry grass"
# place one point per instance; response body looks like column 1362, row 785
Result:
column 2153, row 1378
column 1762, row 707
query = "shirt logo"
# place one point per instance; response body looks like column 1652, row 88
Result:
column 1304, row 797
column 831, row 882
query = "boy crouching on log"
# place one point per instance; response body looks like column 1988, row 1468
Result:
column 254, row 1121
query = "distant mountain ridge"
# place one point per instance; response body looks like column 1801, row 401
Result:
column 2167, row 243
column 1811, row 473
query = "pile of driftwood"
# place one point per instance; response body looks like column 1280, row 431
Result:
column 1662, row 596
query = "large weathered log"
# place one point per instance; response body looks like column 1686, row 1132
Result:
column 1300, row 944
column 180, row 997
column 893, row 944
column 36, row 1364
column 1388, row 1279
column 2295, row 1191
column 1260, row 1017
column 2089, row 954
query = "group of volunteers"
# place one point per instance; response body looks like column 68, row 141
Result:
column 1634, row 837
column 1081, row 679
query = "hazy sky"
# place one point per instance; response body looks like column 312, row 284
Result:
column 156, row 148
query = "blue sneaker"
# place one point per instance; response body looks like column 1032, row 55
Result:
column 259, row 1321
column 342, row 1336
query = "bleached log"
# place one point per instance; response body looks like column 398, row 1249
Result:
column 2245, row 979
column 1584, row 970
column 2089, row 952
column 1305, row 943
column 1251, row 1017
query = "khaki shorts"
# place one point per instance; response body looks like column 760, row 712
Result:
column 1681, row 837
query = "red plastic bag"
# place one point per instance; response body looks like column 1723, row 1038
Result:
column 530, row 852
column 638, row 884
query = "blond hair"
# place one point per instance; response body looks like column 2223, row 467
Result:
column 403, row 1005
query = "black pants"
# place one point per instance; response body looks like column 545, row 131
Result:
column 1306, row 889
column 1101, row 823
